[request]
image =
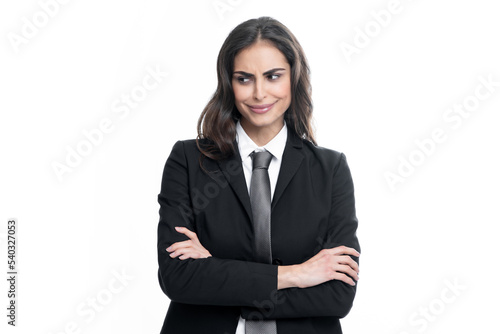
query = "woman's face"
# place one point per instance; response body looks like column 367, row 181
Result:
column 261, row 85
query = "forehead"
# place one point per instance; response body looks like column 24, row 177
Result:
column 260, row 56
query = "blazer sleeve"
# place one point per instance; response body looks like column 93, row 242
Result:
column 332, row 298
column 210, row 281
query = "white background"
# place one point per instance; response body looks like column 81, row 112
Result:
column 77, row 232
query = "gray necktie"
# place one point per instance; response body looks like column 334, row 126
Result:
column 260, row 200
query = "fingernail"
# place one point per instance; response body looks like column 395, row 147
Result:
column 169, row 249
column 177, row 228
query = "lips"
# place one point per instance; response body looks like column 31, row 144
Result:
column 261, row 108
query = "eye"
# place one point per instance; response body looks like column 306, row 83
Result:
column 243, row 80
column 273, row 76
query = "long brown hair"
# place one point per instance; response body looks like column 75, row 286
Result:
column 217, row 122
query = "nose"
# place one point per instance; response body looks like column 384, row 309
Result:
column 259, row 92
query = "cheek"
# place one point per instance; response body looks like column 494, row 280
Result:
column 282, row 91
column 240, row 93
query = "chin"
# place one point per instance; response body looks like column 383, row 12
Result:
column 262, row 121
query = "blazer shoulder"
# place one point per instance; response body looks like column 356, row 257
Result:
column 188, row 146
column 324, row 154
column 182, row 152
column 188, row 152
column 186, row 143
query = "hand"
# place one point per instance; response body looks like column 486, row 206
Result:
column 189, row 249
column 329, row 264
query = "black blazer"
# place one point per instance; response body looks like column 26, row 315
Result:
column 312, row 208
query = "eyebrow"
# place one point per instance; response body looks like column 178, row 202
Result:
column 265, row 73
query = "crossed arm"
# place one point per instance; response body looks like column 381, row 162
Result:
column 328, row 264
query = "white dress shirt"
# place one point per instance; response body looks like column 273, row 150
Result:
column 246, row 146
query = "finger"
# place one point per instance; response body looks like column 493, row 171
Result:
column 344, row 278
column 191, row 255
column 194, row 253
column 178, row 252
column 343, row 250
column 190, row 234
column 350, row 262
column 347, row 270
column 180, row 244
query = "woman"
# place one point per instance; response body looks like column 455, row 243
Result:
column 265, row 241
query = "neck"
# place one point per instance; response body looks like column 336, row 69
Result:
column 261, row 135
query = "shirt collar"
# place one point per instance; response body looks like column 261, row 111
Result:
column 246, row 145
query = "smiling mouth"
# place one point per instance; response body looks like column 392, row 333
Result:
column 261, row 108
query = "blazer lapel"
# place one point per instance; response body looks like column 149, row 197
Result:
column 291, row 160
column 232, row 169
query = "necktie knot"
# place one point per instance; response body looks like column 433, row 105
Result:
column 261, row 160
